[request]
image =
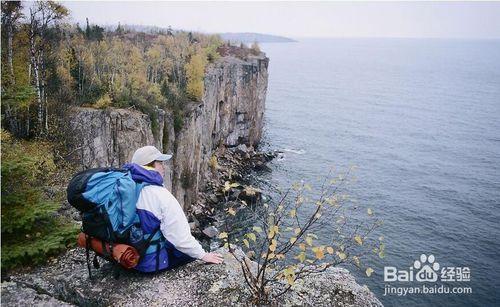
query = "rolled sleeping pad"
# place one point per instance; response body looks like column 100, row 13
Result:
column 126, row 255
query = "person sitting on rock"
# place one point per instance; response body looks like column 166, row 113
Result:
column 158, row 209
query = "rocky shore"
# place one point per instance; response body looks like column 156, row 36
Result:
column 227, row 166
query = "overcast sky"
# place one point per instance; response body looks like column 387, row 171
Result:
column 304, row 19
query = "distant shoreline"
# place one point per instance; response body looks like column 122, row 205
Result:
column 248, row 37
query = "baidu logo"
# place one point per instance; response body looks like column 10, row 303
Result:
column 428, row 268
column 426, row 271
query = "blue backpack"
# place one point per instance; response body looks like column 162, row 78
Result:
column 106, row 198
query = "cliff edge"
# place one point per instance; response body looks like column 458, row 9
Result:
column 65, row 282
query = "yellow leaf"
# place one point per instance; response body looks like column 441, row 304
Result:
column 317, row 215
column 318, row 253
column 289, row 275
column 223, row 235
column 293, row 239
column 329, row 249
column 369, row 272
column 273, row 245
column 293, row 213
column 271, row 256
column 257, row 229
column 280, row 256
column 231, row 211
column 342, row 255
column 302, row 246
column 245, row 241
column 370, row 211
column 226, row 245
column 297, row 231
column 309, row 241
column 301, row 257
column 251, row 236
column 358, row 239
column 270, row 234
column 234, row 185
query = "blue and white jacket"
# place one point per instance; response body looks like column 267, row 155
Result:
column 156, row 206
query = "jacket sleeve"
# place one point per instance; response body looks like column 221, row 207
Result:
column 175, row 227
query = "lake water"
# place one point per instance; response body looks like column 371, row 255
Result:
column 420, row 118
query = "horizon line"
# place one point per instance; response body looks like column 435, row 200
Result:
column 297, row 37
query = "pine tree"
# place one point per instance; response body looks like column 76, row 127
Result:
column 31, row 232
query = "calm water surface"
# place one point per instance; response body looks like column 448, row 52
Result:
column 421, row 121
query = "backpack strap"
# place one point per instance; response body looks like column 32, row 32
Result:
column 104, row 249
column 149, row 242
column 157, row 257
column 87, row 253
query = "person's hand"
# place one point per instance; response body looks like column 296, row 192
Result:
column 213, row 258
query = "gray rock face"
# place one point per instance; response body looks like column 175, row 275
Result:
column 105, row 137
column 18, row 294
column 66, row 282
column 230, row 113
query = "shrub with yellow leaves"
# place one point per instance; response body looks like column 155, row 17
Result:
column 284, row 244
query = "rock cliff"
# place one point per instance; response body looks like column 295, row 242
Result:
column 230, row 113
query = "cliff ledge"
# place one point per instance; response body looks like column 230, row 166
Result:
column 66, row 282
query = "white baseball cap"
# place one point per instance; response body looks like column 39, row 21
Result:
column 148, row 154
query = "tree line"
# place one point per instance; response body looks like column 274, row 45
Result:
column 49, row 64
